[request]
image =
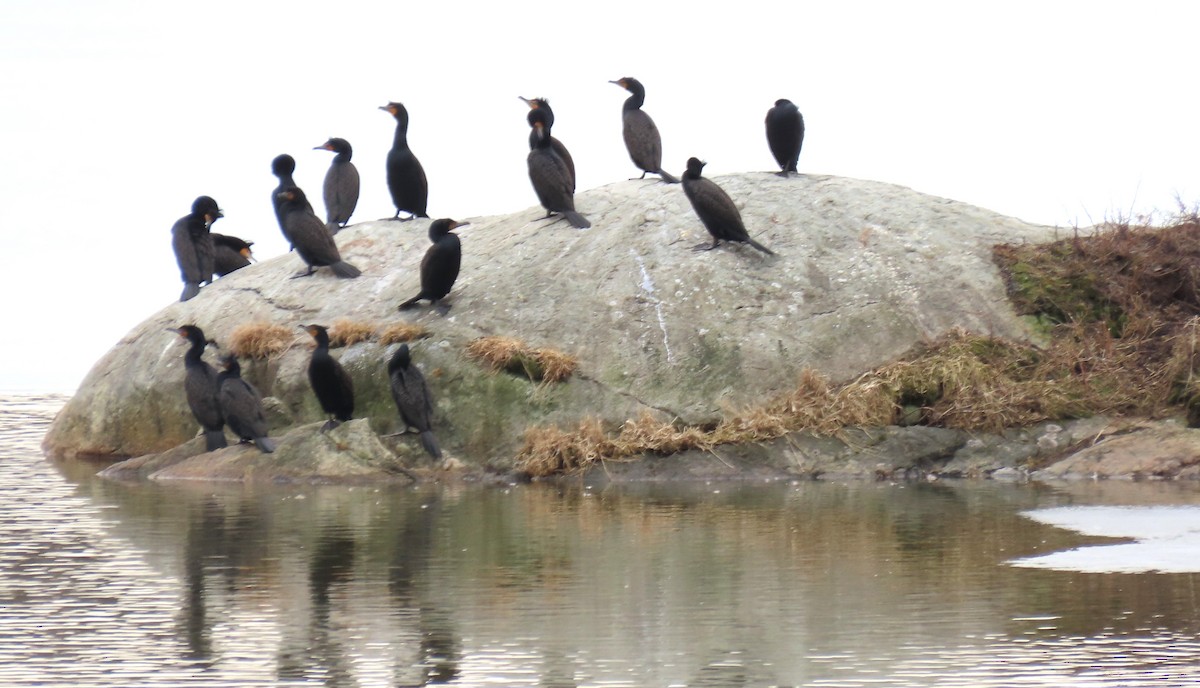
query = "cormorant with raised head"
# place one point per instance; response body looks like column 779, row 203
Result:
column 543, row 104
column 405, row 176
column 329, row 380
column 230, row 253
column 413, row 400
column 241, row 404
column 439, row 267
column 310, row 237
column 341, row 184
column 716, row 209
column 785, row 134
column 283, row 166
column 551, row 179
column 194, row 246
column 200, row 386
column 641, row 136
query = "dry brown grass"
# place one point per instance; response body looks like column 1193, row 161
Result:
column 261, row 340
column 345, row 332
column 1120, row 309
column 514, row 356
column 402, row 332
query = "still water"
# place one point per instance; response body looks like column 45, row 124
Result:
column 811, row 584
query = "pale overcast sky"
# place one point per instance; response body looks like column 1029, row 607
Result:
column 117, row 114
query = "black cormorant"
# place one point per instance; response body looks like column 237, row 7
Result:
column 230, row 253
column 241, row 404
column 405, row 176
column 641, row 136
column 716, row 209
column 194, row 246
column 412, row 397
column 283, row 166
column 543, row 104
column 329, row 380
column 341, row 184
column 439, row 267
column 785, row 134
column 200, row 385
column 310, row 237
column 549, row 174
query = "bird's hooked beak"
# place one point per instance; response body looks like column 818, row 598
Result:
column 619, row 82
column 528, row 102
column 388, row 109
column 247, row 255
column 323, row 146
column 455, row 224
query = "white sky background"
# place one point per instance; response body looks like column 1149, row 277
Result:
column 116, row 115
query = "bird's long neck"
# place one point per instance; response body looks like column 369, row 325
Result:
column 197, row 225
column 322, row 342
column 342, row 157
column 194, row 354
column 401, row 138
column 636, row 100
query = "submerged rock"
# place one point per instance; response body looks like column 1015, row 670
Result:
column 864, row 271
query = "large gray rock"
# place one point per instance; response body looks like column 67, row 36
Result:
column 864, row 271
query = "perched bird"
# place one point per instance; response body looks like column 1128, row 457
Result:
column 405, row 176
column 283, row 166
column 641, row 136
column 716, row 209
column 341, row 184
column 241, row 404
column 310, row 237
column 549, row 174
column 230, row 253
column 439, row 267
column 200, row 385
column 329, row 380
column 413, row 399
column 543, row 104
column 785, row 134
column 193, row 245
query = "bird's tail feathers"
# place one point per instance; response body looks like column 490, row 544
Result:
column 577, row 220
column 333, row 227
column 430, row 443
column 667, row 177
column 190, row 289
column 760, row 247
column 214, row 440
column 265, row 445
column 344, row 269
column 409, row 303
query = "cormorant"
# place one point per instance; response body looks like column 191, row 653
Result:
column 549, row 174
column 230, row 253
column 193, row 245
column 341, row 184
column 241, row 404
column 405, row 176
column 329, row 380
column 716, row 209
column 785, row 134
column 310, row 237
column 543, row 104
column 439, row 267
column 283, row 166
column 641, row 136
column 200, row 385
column 413, row 399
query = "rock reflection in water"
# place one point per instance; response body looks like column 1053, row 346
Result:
column 833, row 584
